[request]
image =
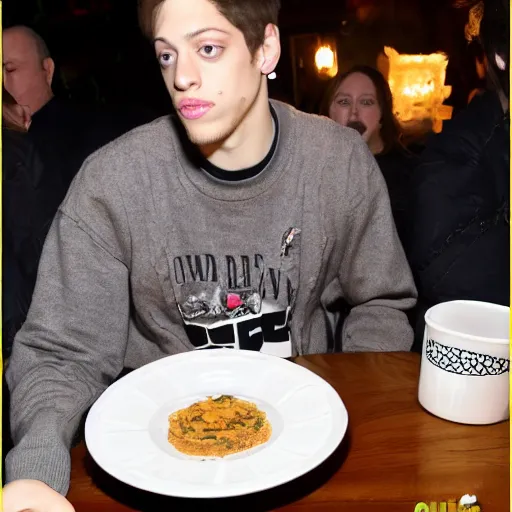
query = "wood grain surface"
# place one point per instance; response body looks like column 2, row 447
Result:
column 394, row 455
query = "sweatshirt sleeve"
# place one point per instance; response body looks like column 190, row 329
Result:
column 73, row 342
column 375, row 276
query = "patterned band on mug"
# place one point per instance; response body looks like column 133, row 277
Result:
column 465, row 362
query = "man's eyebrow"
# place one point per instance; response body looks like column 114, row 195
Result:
column 191, row 35
column 196, row 33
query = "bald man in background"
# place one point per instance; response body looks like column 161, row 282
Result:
column 65, row 134
column 61, row 132
column 28, row 68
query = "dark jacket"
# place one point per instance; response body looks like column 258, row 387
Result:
column 459, row 241
column 65, row 133
column 397, row 167
column 30, row 198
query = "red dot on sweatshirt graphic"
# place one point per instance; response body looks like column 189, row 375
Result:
column 234, row 301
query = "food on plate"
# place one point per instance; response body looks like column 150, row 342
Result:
column 217, row 427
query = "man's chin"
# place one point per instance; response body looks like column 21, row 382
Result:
column 205, row 134
column 204, row 139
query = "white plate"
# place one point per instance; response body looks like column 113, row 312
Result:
column 126, row 429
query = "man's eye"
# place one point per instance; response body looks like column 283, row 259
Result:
column 210, row 51
column 166, row 59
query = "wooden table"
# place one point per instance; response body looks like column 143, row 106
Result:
column 394, row 454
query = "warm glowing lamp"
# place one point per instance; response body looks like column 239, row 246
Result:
column 417, row 84
column 326, row 61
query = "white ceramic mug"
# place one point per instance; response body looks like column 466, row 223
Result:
column 465, row 363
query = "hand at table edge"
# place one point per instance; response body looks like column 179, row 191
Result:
column 33, row 496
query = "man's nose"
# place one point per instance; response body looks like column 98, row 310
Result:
column 187, row 75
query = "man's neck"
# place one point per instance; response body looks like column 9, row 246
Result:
column 249, row 143
column 41, row 101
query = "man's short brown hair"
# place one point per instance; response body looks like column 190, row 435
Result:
column 249, row 16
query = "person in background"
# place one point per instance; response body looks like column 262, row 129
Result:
column 64, row 133
column 361, row 99
column 57, row 129
column 459, row 243
column 30, row 198
column 15, row 296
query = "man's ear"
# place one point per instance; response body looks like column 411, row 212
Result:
column 270, row 51
column 49, row 67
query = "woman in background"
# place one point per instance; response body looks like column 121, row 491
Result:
column 361, row 99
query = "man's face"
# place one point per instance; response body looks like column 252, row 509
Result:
column 25, row 76
column 211, row 76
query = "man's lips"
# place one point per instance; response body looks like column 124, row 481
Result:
column 194, row 108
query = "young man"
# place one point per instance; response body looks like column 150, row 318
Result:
column 236, row 226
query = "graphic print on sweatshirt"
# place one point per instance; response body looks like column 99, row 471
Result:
column 239, row 301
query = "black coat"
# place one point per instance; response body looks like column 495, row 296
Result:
column 397, row 167
column 65, row 134
column 30, row 198
column 459, row 240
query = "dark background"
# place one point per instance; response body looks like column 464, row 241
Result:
column 102, row 57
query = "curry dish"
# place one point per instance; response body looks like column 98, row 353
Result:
column 217, row 427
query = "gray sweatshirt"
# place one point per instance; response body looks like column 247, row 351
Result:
column 147, row 247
